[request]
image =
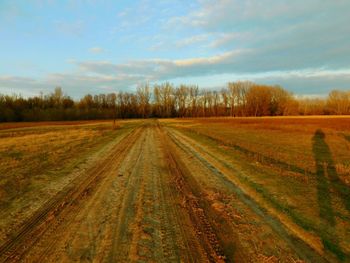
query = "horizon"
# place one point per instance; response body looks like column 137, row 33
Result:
column 102, row 47
column 151, row 87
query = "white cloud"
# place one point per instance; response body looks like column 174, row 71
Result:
column 303, row 44
column 224, row 58
column 21, row 85
column 310, row 81
column 192, row 40
column 75, row 84
column 96, row 50
column 282, row 35
column 162, row 69
column 230, row 39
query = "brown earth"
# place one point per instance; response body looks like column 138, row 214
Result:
column 158, row 196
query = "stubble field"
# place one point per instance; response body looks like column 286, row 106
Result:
column 176, row 190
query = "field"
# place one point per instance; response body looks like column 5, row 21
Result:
column 176, row 190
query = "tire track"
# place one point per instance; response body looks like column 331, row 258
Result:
column 303, row 249
column 83, row 212
column 145, row 229
column 201, row 225
column 50, row 216
column 119, row 250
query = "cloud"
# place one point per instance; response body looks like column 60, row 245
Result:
column 21, row 85
column 230, row 40
column 96, row 50
column 95, row 84
column 214, row 71
column 316, row 81
column 234, row 63
column 162, row 69
column 224, row 15
column 298, row 44
column 191, row 40
column 74, row 28
column 75, row 84
column 311, row 81
column 281, row 35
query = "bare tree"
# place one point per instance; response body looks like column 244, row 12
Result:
column 338, row 102
column 143, row 95
column 259, row 100
column 194, row 92
column 182, row 94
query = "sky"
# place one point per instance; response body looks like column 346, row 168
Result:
column 90, row 46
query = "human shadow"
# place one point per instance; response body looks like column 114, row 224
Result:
column 327, row 178
column 323, row 156
column 323, row 161
column 347, row 137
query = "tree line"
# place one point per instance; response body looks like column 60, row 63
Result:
column 237, row 99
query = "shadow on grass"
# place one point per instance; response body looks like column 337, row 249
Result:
column 341, row 188
column 323, row 160
column 327, row 178
column 347, row 137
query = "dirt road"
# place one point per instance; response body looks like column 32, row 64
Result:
column 157, row 197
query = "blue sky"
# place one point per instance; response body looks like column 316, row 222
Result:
column 90, row 46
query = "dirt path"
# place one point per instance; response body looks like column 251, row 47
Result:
column 156, row 198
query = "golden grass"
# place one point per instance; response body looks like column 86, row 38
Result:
column 282, row 138
column 28, row 152
column 299, row 166
column 36, row 160
column 16, row 125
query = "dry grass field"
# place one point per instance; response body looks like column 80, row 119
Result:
column 38, row 159
column 176, row 190
column 298, row 169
